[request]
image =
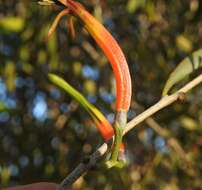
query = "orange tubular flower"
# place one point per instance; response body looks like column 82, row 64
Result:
column 111, row 49
column 117, row 60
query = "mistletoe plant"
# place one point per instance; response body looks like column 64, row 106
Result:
column 116, row 58
column 121, row 72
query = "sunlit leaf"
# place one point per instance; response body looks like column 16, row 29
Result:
column 5, row 175
column 24, row 53
column 11, row 24
column 189, row 123
column 186, row 67
column 183, row 43
column 49, row 169
column 41, row 57
column 10, row 76
column 90, row 87
column 77, row 68
column 2, row 107
column 133, row 5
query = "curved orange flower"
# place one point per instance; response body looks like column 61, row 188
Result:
column 117, row 60
column 109, row 46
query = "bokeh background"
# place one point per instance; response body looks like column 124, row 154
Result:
column 44, row 134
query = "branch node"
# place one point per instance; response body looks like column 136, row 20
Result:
column 181, row 97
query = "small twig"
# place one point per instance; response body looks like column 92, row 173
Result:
column 83, row 167
column 96, row 156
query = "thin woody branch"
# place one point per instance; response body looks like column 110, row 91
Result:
column 96, row 156
column 84, row 166
column 164, row 102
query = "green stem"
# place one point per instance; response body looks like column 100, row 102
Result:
column 117, row 141
column 119, row 125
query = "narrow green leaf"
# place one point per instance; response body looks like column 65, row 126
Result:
column 61, row 83
column 186, row 67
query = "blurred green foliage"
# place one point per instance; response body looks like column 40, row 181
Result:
column 43, row 133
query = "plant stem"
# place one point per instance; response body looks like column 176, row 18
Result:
column 119, row 125
column 96, row 156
